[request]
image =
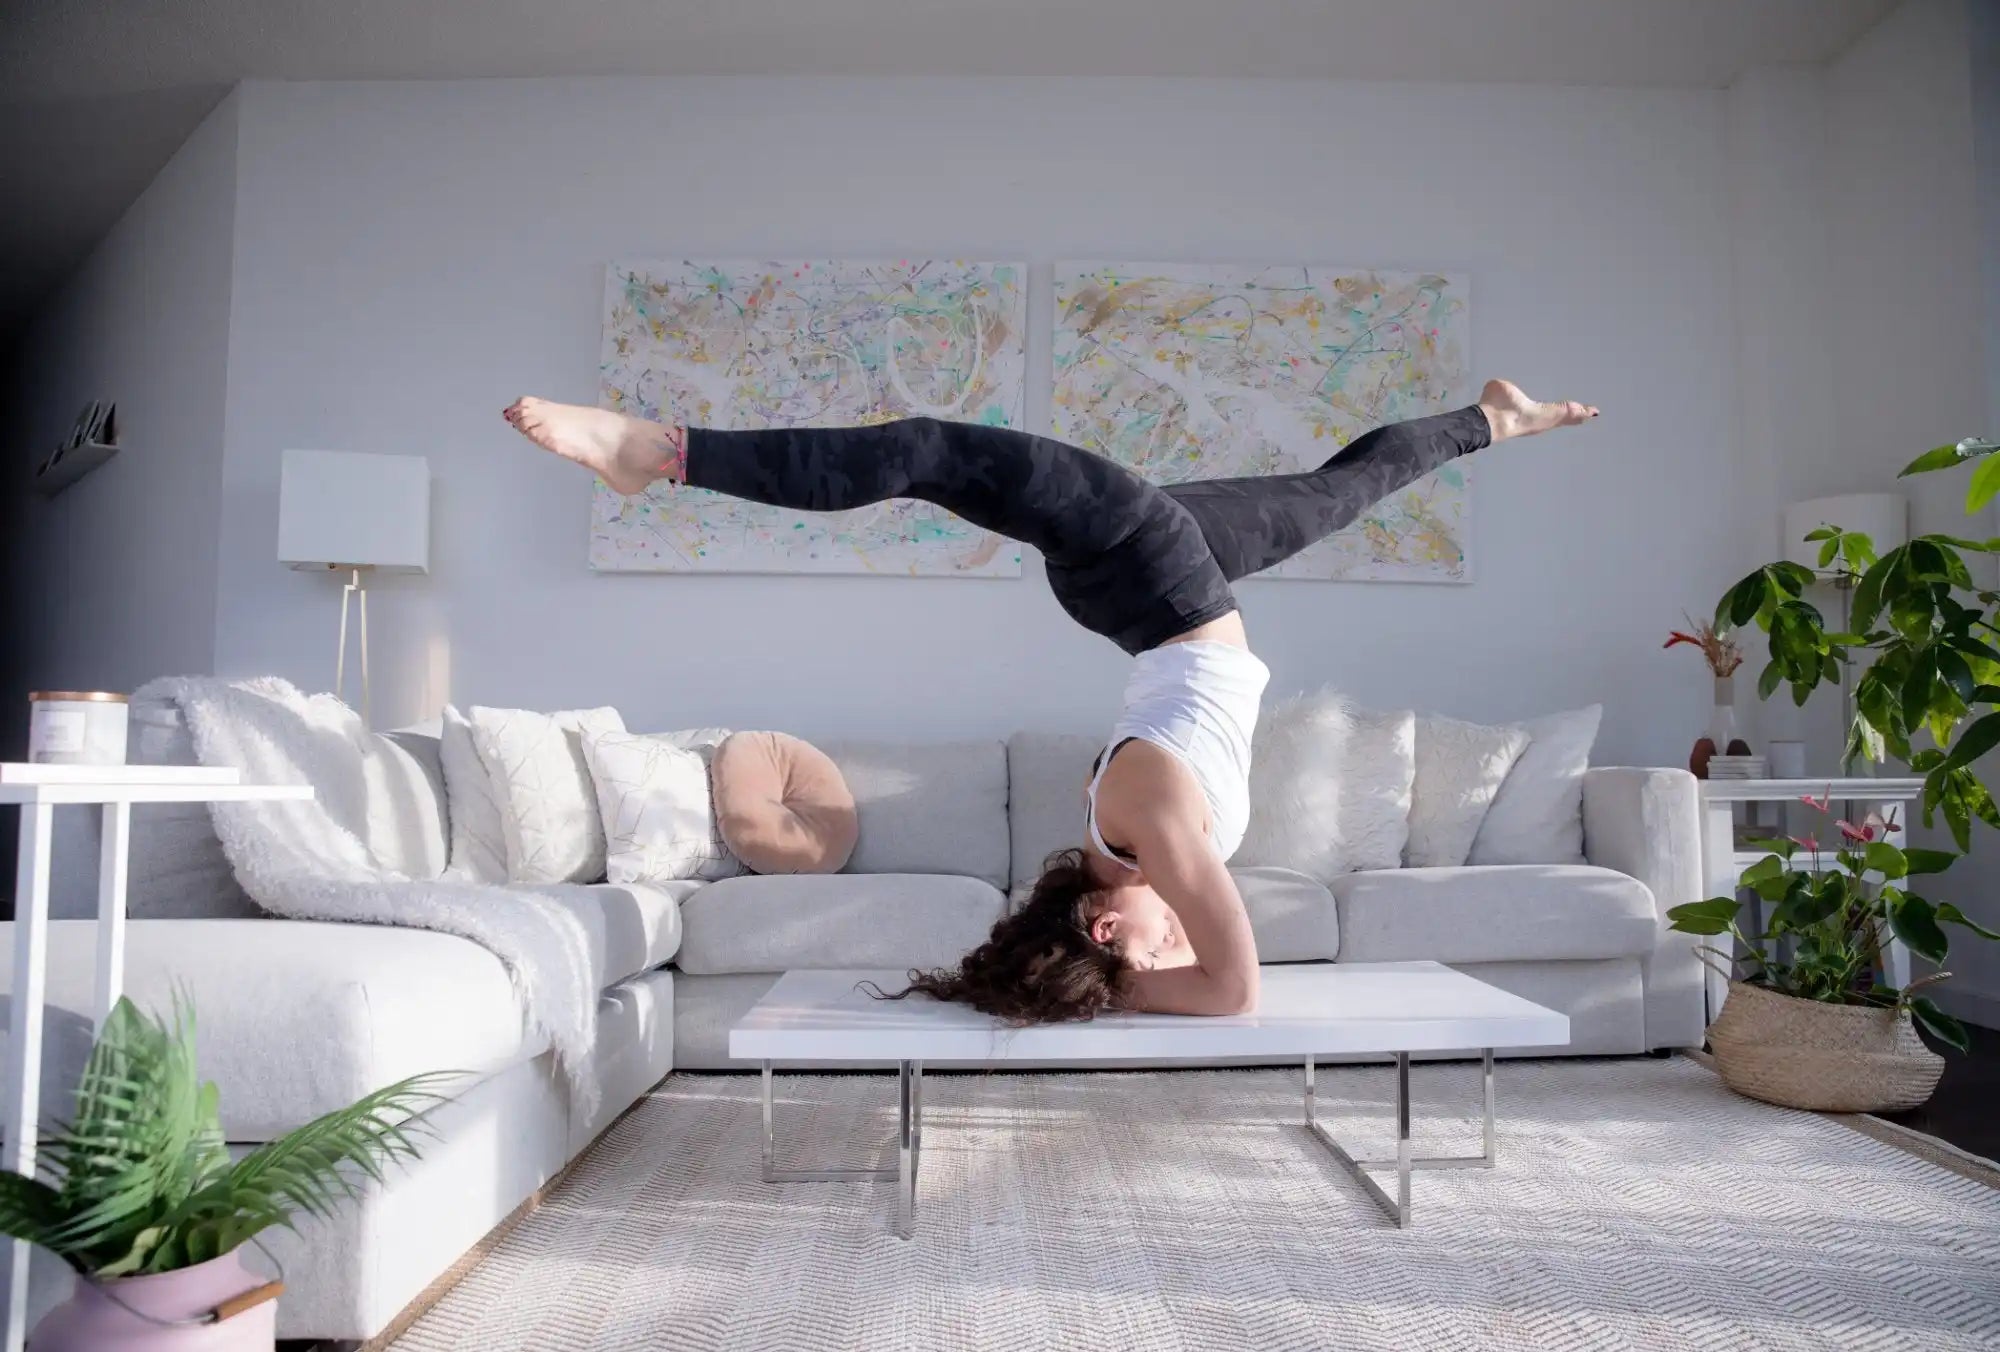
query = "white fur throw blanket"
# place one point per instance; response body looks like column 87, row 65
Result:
column 308, row 860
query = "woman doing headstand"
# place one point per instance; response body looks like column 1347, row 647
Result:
column 1145, row 914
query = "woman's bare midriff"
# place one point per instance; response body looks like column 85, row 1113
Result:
column 1228, row 629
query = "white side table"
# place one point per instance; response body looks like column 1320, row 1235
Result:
column 1723, row 863
column 38, row 790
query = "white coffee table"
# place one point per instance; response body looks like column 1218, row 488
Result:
column 1305, row 1011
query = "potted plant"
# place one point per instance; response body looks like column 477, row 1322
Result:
column 1812, row 1024
column 143, row 1201
column 1928, row 695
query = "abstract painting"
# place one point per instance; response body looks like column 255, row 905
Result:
column 736, row 345
column 1197, row 372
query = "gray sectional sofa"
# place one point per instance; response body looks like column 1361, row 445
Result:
column 298, row 1016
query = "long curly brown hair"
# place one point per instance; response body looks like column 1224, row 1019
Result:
column 1040, row 964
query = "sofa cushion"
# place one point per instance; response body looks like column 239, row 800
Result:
column 478, row 839
column 782, row 806
column 1460, row 767
column 1329, row 787
column 1493, row 913
column 1046, row 777
column 1293, row 916
column 548, row 805
column 1537, row 817
column 293, row 1018
column 633, row 927
column 772, row 924
column 659, row 812
column 927, row 807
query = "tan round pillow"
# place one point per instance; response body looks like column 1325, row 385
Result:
column 782, row 804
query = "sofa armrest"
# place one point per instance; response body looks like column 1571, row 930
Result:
column 1646, row 822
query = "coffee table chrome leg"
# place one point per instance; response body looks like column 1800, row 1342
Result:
column 909, row 1147
column 1398, row 1209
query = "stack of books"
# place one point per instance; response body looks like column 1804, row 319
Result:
column 1738, row 767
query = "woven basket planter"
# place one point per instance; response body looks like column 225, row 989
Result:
column 1829, row 1058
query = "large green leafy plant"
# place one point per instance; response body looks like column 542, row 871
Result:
column 141, row 1182
column 1921, row 636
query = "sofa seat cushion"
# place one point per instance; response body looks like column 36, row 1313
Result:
column 774, row 924
column 632, row 927
column 293, row 1018
column 1493, row 913
column 1293, row 917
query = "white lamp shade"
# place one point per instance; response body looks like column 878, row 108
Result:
column 349, row 510
column 1883, row 517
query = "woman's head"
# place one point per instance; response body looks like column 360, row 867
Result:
column 1060, row 954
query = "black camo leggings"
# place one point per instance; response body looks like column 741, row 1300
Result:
column 1133, row 561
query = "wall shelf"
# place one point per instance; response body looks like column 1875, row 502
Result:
column 61, row 470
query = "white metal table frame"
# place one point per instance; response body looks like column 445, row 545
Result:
column 910, row 1144
column 38, row 802
column 1723, row 863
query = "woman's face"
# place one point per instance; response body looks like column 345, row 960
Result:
column 1142, row 927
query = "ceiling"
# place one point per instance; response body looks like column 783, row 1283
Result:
column 95, row 95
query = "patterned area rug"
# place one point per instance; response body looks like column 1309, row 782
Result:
column 1636, row 1204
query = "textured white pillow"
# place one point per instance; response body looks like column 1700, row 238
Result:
column 478, row 839
column 1329, row 788
column 1537, row 817
column 659, row 813
column 548, row 805
column 1460, row 767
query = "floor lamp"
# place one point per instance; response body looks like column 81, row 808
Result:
column 343, row 511
column 1885, row 519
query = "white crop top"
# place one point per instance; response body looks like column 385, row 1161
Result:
column 1198, row 701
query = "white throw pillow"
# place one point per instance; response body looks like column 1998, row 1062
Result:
column 548, row 805
column 478, row 838
column 659, row 813
column 1460, row 767
column 1329, row 788
column 1537, row 817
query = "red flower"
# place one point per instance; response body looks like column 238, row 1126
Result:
column 1679, row 637
column 1805, row 842
column 1857, row 834
column 1819, row 803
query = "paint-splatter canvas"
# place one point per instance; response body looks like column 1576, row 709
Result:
column 747, row 344
column 1197, row 372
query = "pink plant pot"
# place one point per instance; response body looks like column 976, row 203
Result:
column 90, row 1321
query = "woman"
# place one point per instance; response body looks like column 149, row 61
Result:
column 1145, row 916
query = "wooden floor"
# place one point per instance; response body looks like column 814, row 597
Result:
column 1962, row 1111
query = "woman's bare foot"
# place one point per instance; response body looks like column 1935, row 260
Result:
column 627, row 453
column 1511, row 413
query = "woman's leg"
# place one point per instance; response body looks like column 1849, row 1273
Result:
column 1124, row 559
column 1254, row 523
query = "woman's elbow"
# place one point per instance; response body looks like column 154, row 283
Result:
column 1237, row 994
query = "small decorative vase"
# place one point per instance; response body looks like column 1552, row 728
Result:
column 1829, row 1058
column 94, row 1320
column 1722, row 723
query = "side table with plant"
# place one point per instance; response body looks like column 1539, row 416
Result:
column 1810, row 1020
column 144, row 1202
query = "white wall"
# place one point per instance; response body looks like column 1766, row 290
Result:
column 411, row 256
column 113, row 581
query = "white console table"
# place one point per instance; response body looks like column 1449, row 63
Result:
column 38, row 790
column 1723, row 863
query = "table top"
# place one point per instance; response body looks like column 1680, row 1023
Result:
column 1304, row 1009
column 1856, row 787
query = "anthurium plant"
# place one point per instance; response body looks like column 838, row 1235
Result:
column 1926, row 680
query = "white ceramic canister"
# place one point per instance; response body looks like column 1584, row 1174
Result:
column 76, row 727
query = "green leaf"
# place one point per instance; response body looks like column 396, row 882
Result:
column 1883, row 858
column 1951, row 915
column 1747, row 599
column 1914, row 921
column 1704, row 917
column 1868, row 592
column 1944, row 457
column 1979, row 738
column 1918, row 861
column 1917, row 687
column 1767, row 680
column 1770, row 866
column 1957, row 674
column 1790, row 577
column 1939, row 1024
column 1823, row 533
column 1984, row 484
